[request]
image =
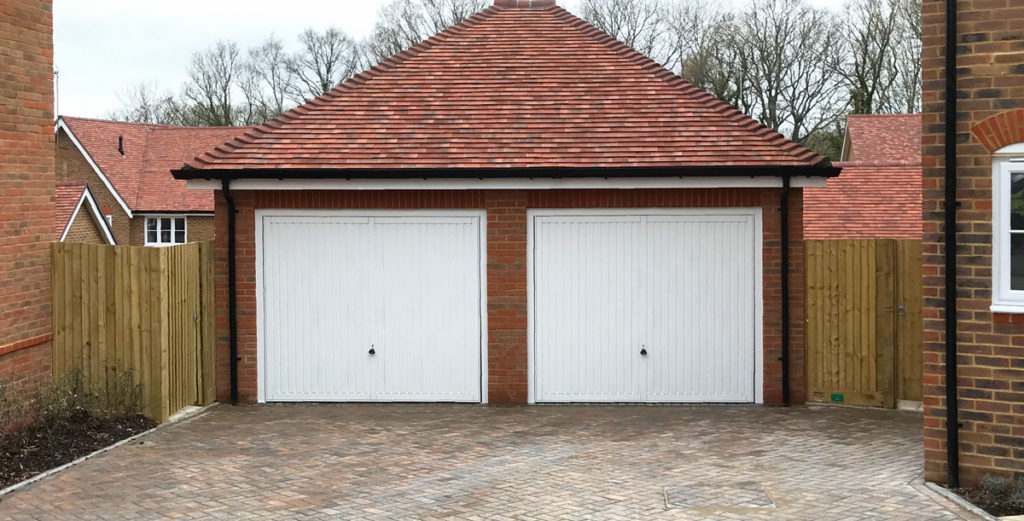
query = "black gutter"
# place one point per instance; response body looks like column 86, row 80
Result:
column 784, row 216
column 232, row 293
column 952, row 399
column 825, row 169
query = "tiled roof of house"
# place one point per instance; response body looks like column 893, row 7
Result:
column 883, row 138
column 66, row 196
column 142, row 176
column 509, row 88
column 878, row 195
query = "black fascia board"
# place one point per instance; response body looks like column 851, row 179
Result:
column 822, row 170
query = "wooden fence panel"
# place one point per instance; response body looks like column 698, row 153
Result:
column 863, row 321
column 144, row 310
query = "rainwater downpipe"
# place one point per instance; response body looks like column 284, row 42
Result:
column 784, row 217
column 950, row 206
column 232, row 292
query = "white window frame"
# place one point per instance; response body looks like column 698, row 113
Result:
column 159, row 243
column 1005, row 162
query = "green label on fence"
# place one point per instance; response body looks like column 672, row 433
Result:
column 837, row 397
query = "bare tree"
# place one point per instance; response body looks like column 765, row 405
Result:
column 871, row 69
column 641, row 24
column 790, row 50
column 266, row 81
column 908, row 58
column 142, row 103
column 211, row 85
column 327, row 58
column 404, row 23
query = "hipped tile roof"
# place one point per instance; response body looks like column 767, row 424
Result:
column 142, row 176
column 510, row 88
column 878, row 195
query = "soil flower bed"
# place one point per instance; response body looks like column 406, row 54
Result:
column 49, row 444
column 66, row 421
column 996, row 496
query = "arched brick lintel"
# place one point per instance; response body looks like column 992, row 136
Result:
column 1001, row 130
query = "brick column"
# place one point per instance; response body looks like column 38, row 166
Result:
column 506, row 297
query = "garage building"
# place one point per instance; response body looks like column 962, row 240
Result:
column 517, row 210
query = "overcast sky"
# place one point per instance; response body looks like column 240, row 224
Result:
column 103, row 46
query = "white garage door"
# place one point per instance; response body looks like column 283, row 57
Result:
column 646, row 306
column 370, row 307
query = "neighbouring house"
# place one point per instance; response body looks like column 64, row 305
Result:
column 863, row 269
column 128, row 168
column 78, row 217
column 26, row 194
column 973, row 213
column 518, row 210
column 879, row 194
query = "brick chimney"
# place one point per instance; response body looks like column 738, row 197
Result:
column 525, row 4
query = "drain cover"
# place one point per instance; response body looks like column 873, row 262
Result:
column 708, row 496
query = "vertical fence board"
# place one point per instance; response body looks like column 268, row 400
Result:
column 885, row 313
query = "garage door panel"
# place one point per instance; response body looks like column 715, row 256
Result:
column 317, row 345
column 430, row 347
column 679, row 286
column 701, row 309
column 335, row 287
column 587, row 316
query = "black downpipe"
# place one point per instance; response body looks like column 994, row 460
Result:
column 232, row 293
column 784, row 215
column 952, row 404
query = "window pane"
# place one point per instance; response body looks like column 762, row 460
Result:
column 179, row 224
column 165, row 225
column 151, row 225
column 179, row 236
column 1017, row 201
column 1017, row 261
column 151, row 234
column 165, row 235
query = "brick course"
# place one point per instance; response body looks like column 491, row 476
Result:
column 26, row 188
column 506, row 260
column 990, row 346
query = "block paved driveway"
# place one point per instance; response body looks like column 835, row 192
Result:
column 462, row 462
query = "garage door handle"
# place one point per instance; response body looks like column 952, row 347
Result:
column 373, row 351
column 643, row 351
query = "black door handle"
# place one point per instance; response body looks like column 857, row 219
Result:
column 643, row 351
column 372, row 350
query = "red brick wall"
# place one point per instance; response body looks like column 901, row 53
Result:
column 26, row 189
column 72, row 166
column 506, row 268
column 990, row 346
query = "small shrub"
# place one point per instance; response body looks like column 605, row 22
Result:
column 14, row 411
column 1017, row 497
column 71, row 397
column 994, row 485
column 122, row 397
column 68, row 399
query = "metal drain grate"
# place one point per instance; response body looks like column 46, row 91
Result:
column 709, row 496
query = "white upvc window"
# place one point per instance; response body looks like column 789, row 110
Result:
column 165, row 230
column 1008, row 230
